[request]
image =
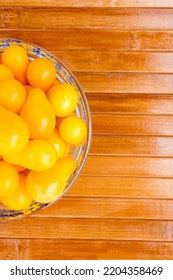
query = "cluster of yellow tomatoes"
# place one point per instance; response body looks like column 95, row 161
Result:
column 37, row 128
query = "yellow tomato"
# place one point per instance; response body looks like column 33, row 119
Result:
column 41, row 73
column 63, row 98
column 59, row 120
column 47, row 186
column 73, row 130
column 62, row 148
column 38, row 114
column 65, row 167
column 5, row 73
column 15, row 57
column 9, row 179
column 14, row 134
column 39, row 155
column 19, row 199
column 12, row 95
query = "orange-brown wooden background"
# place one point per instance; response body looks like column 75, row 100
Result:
column 122, row 205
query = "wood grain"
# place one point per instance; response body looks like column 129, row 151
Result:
column 126, row 82
column 130, row 103
column 45, row 249
column 129, row 166
column 77, row 228
column 131, row 145
column 132, row 124
column 86, row 39
column 104, row 186
column 109, row 18
column 88, row 3
column 8, row 249
column 71, row 249
column 118, row 208
column 121, row 205
column 110, row 61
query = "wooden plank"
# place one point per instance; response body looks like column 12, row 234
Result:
column 8, row 249
column 130, row 103
column 109, row 61
column 41, row 249
column 131, row 145
column 132, row 124
column 107, row 18
column 81, row 249
column 129, row 166
column 88, row 3
column 126, row 82
column 106, row 229
column 86, row 39
column 98, row 186
column 120, row 208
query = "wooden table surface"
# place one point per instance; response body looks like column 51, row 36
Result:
column 122, row 205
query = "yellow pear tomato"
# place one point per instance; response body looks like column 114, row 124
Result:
column 14, row 133
column 38, row 114
column 12, row 95
column 41, row 73
column 9, row 179
column 73, row 130
column 47, row 186
column 5, row 73
column 62, row 148
column 39, row 155
column 19, row 199
column 63, row 98
column 15, row 57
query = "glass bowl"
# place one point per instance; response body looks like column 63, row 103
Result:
column 78, row 153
